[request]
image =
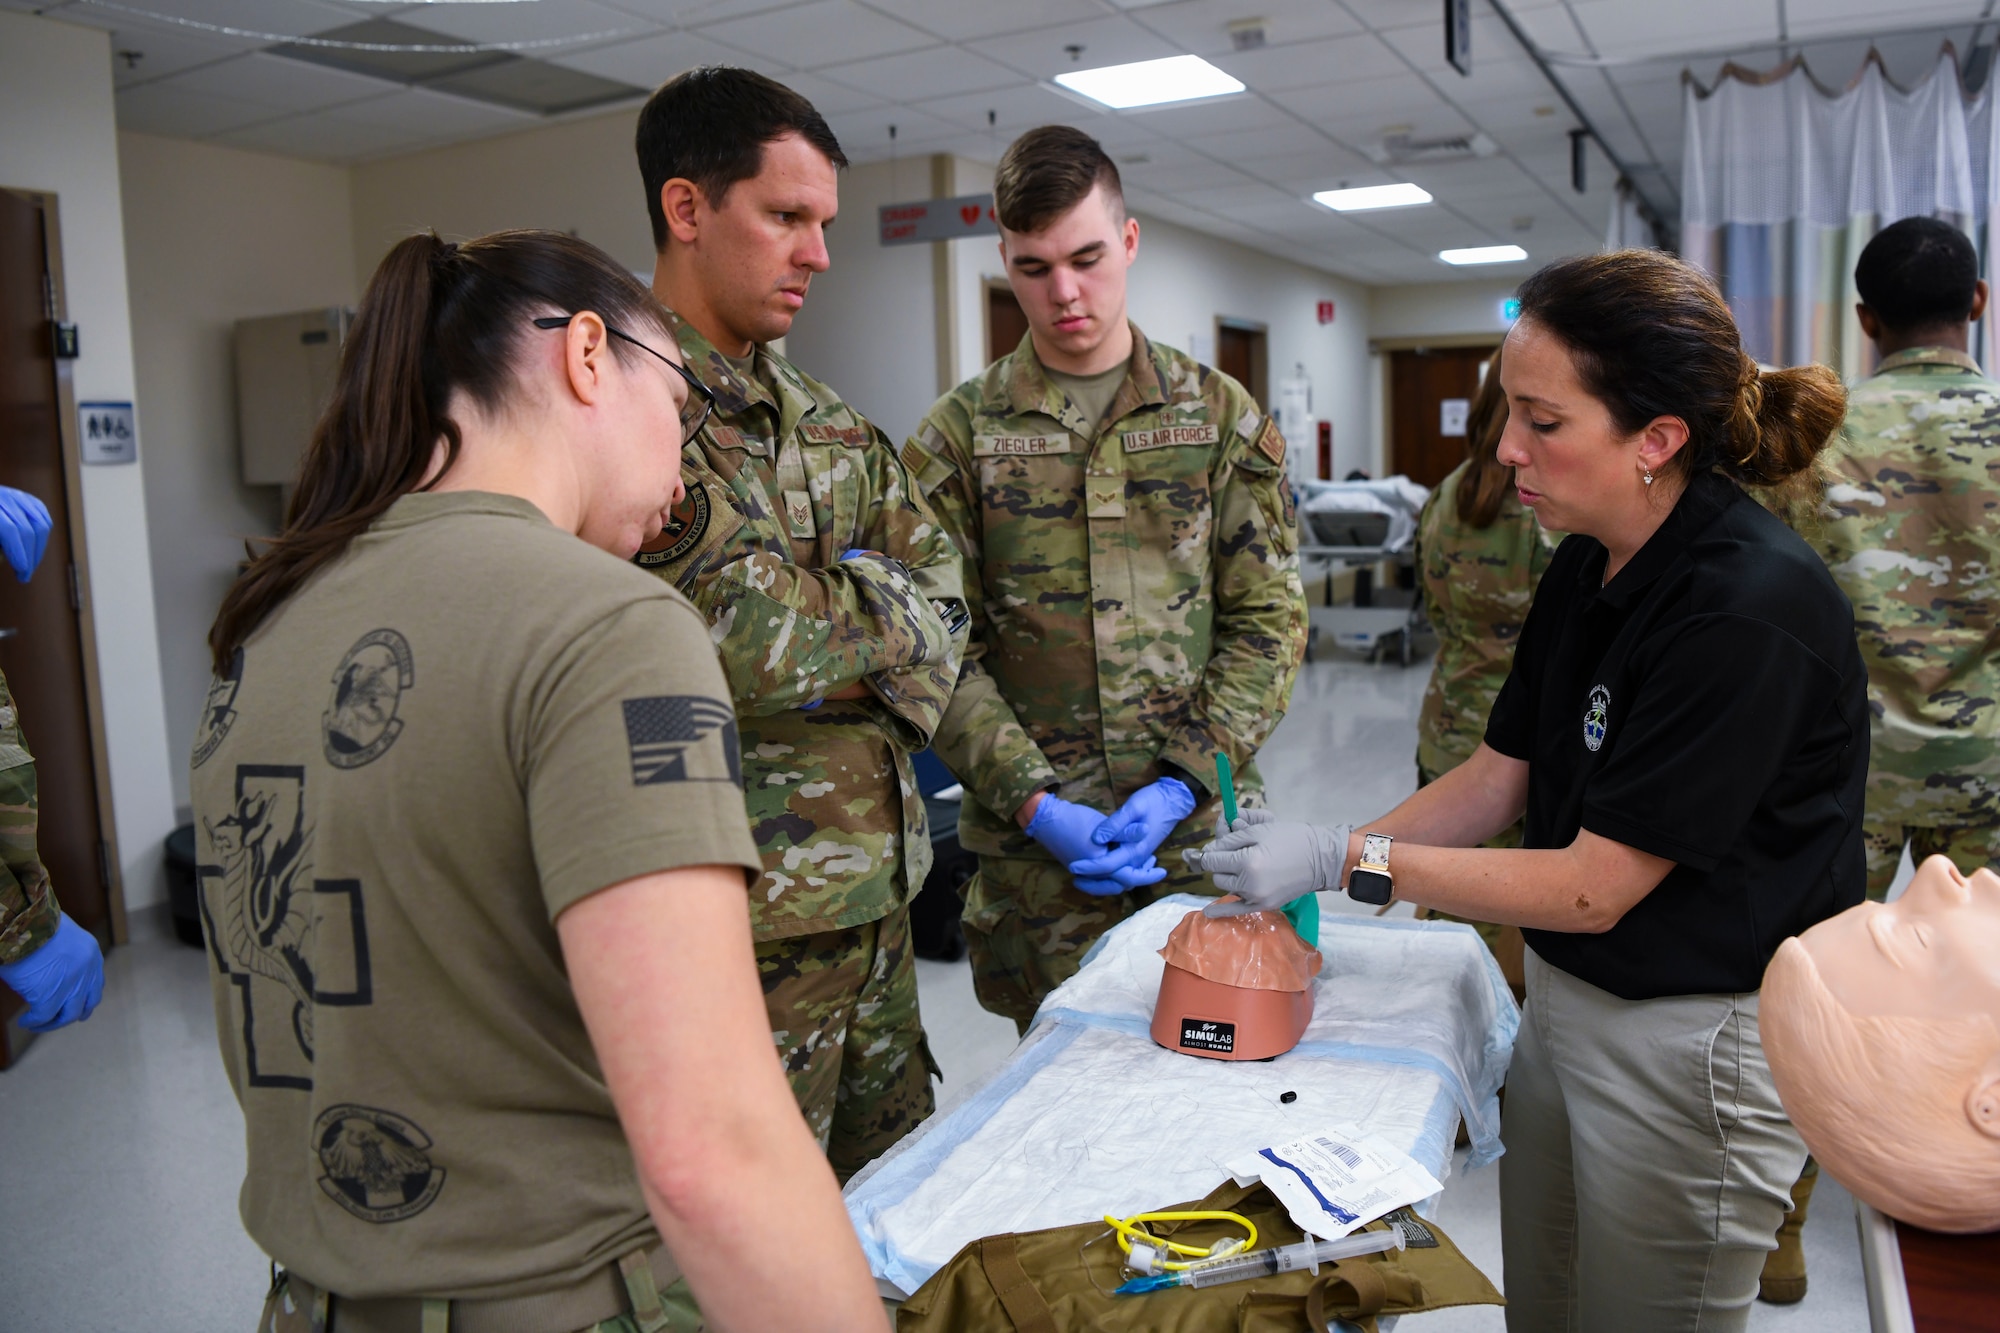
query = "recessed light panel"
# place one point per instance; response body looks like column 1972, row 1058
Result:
column 1484, row 254
column 1373, row 196
column 1151, row 82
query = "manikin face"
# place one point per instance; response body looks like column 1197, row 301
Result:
column 1933, row 953
column 1882, row 1026
column 755, row 256
column 1070, row 277
column 629, row 454
column 1572, row 465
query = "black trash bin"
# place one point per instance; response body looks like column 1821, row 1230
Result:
column 183, row 887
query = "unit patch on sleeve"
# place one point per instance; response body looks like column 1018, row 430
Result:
column 1168, row 437
column 684, row 529
column 1271, row 441
column 1003, row 446
column 682, row 738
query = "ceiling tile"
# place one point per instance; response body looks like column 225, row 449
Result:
column 1623, row 28
column 864, row 135
column 162, row 108
column 1106, row 41
column 1312, row 64
column 284, row 85
column 287, row 18
column 916, row 75
column 1016, row 109
column 325, row 138
column 162, row 53
column 830, row 98
column 648, row 62
column 824, row 33
column 1284, row 140
column 437, row 117
column 1219, row 115
column 1201, row 27
column 962, row 20
column 570, row 19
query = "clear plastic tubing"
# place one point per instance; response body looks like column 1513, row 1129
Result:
column 1285, row 1258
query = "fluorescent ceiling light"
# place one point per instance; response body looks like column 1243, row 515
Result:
column 1151, row 82
column 1373, row 196
column 1484, row 254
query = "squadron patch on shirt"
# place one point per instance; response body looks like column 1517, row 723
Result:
column 670, row 739
column 1597, row 718
column 360, row 723
column 218, row 711
column 684, row 530
column 377, row 1164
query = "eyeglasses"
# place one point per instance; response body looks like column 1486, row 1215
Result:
column 700, row 400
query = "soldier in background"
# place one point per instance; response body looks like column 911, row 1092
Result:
column 1481, row 553
column 1132, row 567
column 1913, row 538
column 826, row 583
column 1910, row 531
column 46, row 958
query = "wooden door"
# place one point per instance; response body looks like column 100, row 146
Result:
column 41, row 638
column 1430, row 389
column 1240, row 354
column 1006, row 322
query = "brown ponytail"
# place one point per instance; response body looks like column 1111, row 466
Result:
column 1650, row 337
column 437, row 319
column 1487, row 480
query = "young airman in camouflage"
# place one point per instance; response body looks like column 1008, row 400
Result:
column 827, row 584
column 1132, row 569
column 1912, row 534
column 1480, row 554
column 50, row 961
column 28, row 911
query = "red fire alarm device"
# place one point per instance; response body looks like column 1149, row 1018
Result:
column 1326, row 451
column 1326, row 312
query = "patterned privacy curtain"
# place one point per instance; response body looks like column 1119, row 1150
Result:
column 1784, row 181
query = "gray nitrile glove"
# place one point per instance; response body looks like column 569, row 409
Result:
column 1267, row 862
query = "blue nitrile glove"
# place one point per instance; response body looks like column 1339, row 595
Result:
column 1131, row 836
column 1064, row 828
column 24, row 530
column 62, row 981
column 1119, row 880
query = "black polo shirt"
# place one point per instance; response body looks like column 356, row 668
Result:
column 1708, row 706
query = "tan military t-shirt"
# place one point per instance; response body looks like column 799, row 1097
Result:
column 467, row 723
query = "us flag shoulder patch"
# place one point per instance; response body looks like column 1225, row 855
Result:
column 682, row 738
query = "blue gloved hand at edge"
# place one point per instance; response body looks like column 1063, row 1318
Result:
column 1133, row 834
column 62, row 981
column 1118, row 881
column 1064, row 828
column 24, row 530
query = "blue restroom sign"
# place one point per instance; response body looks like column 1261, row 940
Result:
column 108, row 432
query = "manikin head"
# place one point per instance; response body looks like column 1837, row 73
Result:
column 1067, row 244
column 741, row 185
column 1882, row 1026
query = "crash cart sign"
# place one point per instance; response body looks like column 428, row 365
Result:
column 938, row 219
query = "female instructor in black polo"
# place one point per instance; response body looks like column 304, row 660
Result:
column 1686, row 731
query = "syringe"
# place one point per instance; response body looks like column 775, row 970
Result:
column 1308, row 1253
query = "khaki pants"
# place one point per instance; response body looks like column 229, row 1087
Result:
column 843, row 1008
column 1648, row 1161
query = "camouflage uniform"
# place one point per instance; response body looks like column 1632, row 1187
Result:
column 1912, row 534
column 1135, row 601
column 29, row 913
column 786, row 478
column 1478, row 584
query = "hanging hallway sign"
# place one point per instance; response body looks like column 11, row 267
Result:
column 938, row 219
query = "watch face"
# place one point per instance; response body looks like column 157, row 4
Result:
column 1369, row 886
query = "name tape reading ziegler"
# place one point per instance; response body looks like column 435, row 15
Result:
column 989, row 446
column 1166, row 437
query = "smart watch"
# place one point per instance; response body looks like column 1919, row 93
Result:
column 1371, row 881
